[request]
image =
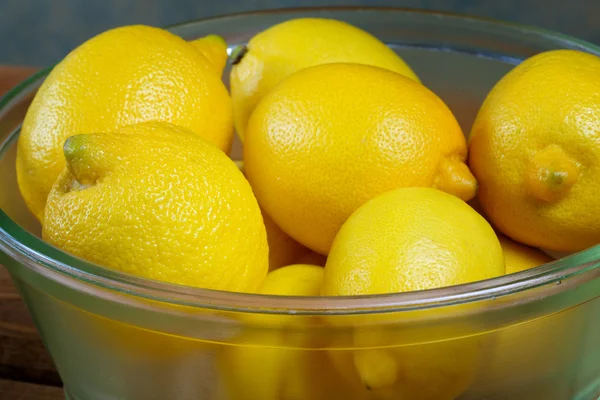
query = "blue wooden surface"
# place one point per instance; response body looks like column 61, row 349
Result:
column 40, row 32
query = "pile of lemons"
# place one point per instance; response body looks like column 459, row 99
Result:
column 356, row 178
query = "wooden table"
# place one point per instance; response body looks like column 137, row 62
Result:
column 26, row 369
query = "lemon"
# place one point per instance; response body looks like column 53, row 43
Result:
column 214, row 48
column 411, row 239
column 294, row 280
column 520, row 360
column 403, row 240
column 535, row 151
column 280, row 373
column 518, row 257
column 123, row 76
column 331, row 137
column 282, row 370
column 281, row 50
column 158, row 201
column 283, row 250
column 432, row 371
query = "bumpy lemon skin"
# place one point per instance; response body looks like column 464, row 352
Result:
column 534, row 150
column 120, row 77
column 331, row 137
column 285, row 48
column 158, row 201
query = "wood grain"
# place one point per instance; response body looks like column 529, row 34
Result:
column 23, row 356
column 11, row 76
column 11, row 390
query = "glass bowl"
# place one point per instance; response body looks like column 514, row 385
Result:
column 531, row 335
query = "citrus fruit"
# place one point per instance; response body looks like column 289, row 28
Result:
column 403, row 240
column 528, row 357
column 331, row 137
column 519, row 257
column 214, row 48
column 283, row 370
column 432, row 371
column 411, row 239
column 122, row 76
column 160, row 202
column 535, row 151
column 282, row 49
column 294, row 280
column 283, row 250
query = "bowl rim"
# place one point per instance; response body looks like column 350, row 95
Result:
column 32, row 252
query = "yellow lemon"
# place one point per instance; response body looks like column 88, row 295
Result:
column 403, row 240
column 432, row 371
column 331, row 137
column 294, row 280
column 281, row 50
column 535, row 151
column 283, row 250
column 283, row 370
column 158, row 201
column 411, row 239
column 214, row 48
column 520, row 361
column 518, row 257
column 280, row 373
column 123, row 76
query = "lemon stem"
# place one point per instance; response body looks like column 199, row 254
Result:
column 238, row 53
column 81, row 160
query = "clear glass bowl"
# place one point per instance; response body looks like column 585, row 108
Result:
column 532, row 335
